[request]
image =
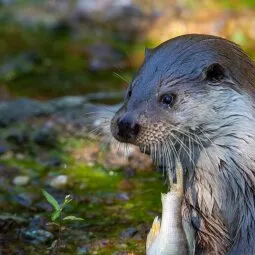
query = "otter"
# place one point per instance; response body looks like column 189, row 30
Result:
column 193, row 101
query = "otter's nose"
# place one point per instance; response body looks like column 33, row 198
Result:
column 128, row 128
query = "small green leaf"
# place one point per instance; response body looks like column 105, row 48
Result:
column 51, row 200
column 55, row 215
column 73, row 218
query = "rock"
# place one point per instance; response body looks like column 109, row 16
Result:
column 46, row 136
column 59, row 181
column 67, row 110
column 83, row 250
column 37, row 236
column 122, row 196
column 21, row 180
column 104, row 57
column 91, row 8
column 68, row 102
column 37, row 221
column 125, row 18
column 22, row 109
column 106, row 10
column 26, row 199
column 44, row 206
column 129, row 232
column 128, row 21
column 53, row 161
column 17, row 219
column 9, row 222
column 103, row 96
column 39, row 14
column 17, row 137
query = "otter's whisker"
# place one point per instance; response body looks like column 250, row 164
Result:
column 156, row 153
column 164, row 159
column 170, row 154
column 169, row 163
column 98, row 113
column 118, row 147
column 126, row 150
column 195, row 139
column 184, row 147
column 200, row 144
column 159, row 152
column 153, row 153
column 96, row 131
column 172, row 148
column 121, row 77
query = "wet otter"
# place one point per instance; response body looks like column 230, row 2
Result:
column 193, row 101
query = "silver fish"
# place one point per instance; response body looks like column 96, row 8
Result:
column 172, row 235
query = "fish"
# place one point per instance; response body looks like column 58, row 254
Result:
column 171, row 235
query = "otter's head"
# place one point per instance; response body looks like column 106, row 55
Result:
column 187, row 86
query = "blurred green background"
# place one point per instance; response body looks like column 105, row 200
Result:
column 60, row 47
column 61, row 63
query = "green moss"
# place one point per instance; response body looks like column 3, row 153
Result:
column 26, row 165
column 62, row 68
column 95, row 178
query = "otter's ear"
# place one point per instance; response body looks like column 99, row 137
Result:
column 147, row 52
column 214, row 73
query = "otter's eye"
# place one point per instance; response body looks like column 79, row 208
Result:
column 168, row 99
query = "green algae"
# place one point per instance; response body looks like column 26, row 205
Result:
column 99, row 196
